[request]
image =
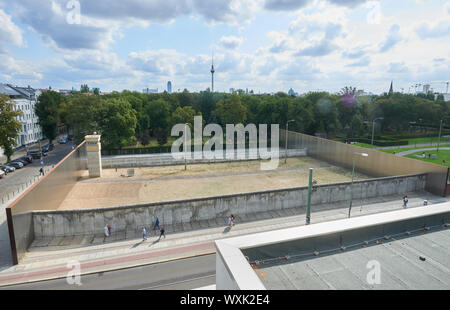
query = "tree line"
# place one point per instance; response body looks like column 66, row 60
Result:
column 126, row 118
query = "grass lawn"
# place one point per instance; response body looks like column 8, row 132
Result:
column 398, row 150
column 368, row 146
column 441, row 155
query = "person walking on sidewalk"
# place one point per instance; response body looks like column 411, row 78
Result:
column 156, row 224
column 106, row 231
column 109, row 230
column 144, row 234
column 41, row 172
column 405, row 201
column 162, row 233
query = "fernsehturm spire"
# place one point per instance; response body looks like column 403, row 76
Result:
column 212, row 74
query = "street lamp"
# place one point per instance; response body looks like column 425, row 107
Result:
column 286, row 141
column 373, row 126
column 353, row 173
column 185, row 146
column 440, row 130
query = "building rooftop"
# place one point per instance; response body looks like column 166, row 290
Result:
column 6, row 90
column 416, row 262
column 407, row 249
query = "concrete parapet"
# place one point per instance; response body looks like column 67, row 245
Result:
column 132, row 218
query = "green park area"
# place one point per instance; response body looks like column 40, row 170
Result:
column 440, row 156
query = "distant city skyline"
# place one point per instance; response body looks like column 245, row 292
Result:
column 263, row 45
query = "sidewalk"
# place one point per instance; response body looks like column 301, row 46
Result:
column 430, row 145
column 50, row 262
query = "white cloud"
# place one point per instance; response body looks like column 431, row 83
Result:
column 434, row 30
column 9, row 32
column 285, row 5
column 392, row 39
column 231, row 42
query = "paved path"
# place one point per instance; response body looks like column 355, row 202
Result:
column 421, row 150
column 182, row 274
column 50, row 262
column 410, row 145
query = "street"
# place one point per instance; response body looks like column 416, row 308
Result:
column 12, row 185
column 15, row 181
column 183, row 274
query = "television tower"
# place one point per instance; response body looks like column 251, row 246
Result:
column 212, row 74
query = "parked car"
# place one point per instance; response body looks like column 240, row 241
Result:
column 34, row 154
column 27, row 158
column 2, row 174
column 15, row 164
column 7, row 169
column 63, row 141
column 22, row 160
column 48, row 147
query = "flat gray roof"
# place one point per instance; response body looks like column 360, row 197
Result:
column 399, row 259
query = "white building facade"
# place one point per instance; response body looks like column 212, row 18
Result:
column 25, row 99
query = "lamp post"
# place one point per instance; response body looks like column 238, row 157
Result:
column 373, row 127
column 353, row 174
column 308, row 203
column 440, row 131
column 286, row 141
column 185, row 146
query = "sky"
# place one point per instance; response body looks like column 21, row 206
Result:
column 263, row 45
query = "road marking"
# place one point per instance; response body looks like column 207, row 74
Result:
column 179, row 282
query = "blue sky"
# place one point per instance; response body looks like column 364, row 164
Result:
column 264, row 45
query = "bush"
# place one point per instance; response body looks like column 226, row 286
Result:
column 379, row 142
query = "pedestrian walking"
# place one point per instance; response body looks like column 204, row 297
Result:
column 106, row 231
column 405, row 201
column 144, row 234
column 231, row 220
column 109, row 230
column 162, row 233
column 156, row 224
column 41, row 171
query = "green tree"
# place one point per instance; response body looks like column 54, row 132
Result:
column 158, row 112
column 82, row 115
column 161, row 136
column 9, row 126
column 84, row 88
column 183, row 115
column 46, row 109
column 357, row 125
column 230, row 110
column 117, row 122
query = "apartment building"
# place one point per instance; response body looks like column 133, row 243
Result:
column 25, row 99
